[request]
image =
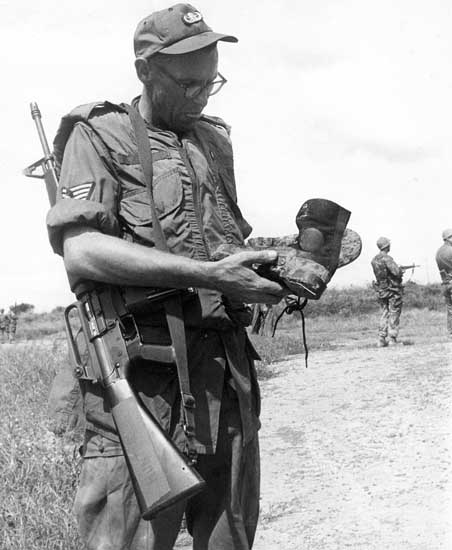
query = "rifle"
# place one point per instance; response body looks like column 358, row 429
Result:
column 406, row 267
column 103, row 351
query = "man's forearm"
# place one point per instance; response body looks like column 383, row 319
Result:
column 95, row 256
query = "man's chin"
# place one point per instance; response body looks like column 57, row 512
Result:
column 187, row 121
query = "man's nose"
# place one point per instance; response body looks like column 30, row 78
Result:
column 202, row 98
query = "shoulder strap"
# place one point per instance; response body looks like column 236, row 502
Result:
column 145, row 156
column 173, row 304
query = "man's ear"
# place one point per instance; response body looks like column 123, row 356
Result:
column 143, row 70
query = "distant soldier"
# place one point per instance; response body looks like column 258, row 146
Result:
column 12, row 326
column 444, row 262
column 2, row 325
column 389, row 289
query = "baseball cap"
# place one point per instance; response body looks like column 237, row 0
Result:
column 383, row 242
column 175, row 30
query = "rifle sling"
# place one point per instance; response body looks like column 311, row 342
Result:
column 173, row 304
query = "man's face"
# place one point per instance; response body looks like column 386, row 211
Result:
column 171, row 108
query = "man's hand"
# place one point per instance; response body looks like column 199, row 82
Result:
column 234, row 277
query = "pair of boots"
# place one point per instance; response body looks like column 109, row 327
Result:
column 307, row 260
column 382, row 342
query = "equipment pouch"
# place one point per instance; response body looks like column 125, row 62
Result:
column 65, row 404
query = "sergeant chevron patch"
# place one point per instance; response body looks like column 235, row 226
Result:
column 82, row 191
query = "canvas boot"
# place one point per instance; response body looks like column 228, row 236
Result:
column 307, row 260
column 393, row 341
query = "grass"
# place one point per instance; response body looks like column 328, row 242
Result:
column 39, row 471
column 353, row 301
column 33, row 326
column 336, row 332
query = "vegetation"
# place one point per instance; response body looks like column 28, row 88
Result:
column 357, row 300
column 33, row 326
column 22, row 308
column 39, row 470
column 352, row 301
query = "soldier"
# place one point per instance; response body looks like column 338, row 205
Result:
column 102, row 224
column 3, row 332
column 444, row 262
column 389, row 289
column 12, row 326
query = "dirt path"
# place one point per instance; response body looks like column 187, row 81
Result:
column 356, row 451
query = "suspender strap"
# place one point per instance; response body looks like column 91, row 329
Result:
column 145, row 156
column 173, row 304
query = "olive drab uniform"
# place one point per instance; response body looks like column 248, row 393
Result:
column 12, row 326
column 3, row 326
column 102, row 186
column 389, row 290
column 444, row 262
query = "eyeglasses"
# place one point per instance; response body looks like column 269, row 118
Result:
column 193, row 90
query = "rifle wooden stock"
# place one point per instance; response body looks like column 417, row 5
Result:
column 160, row 473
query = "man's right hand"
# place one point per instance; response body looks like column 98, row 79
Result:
column 234, row 277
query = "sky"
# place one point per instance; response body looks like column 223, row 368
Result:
column 349, row 100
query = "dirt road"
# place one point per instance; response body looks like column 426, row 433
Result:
column 356, row 451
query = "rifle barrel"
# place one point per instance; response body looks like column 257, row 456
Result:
column 47, row 162
column 36, row 116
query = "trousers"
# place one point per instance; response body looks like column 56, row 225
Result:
column 448, row 300
column 222, row 517
column 391, row 308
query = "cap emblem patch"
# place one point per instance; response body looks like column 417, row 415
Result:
column 192, row 17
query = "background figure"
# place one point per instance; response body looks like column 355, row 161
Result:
column 2, row 325
column 444, row 262
column 12, row 326
column 389, row 289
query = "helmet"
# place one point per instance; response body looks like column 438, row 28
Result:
column 447, row 233
column 383, row 242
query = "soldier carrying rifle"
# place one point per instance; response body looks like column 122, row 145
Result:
column 389, row 288
column 145, row 198
column 12, row 325
column 4, row 322
column 444, row 263
column 109, row 227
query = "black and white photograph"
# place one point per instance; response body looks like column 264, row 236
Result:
column 226, row 275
